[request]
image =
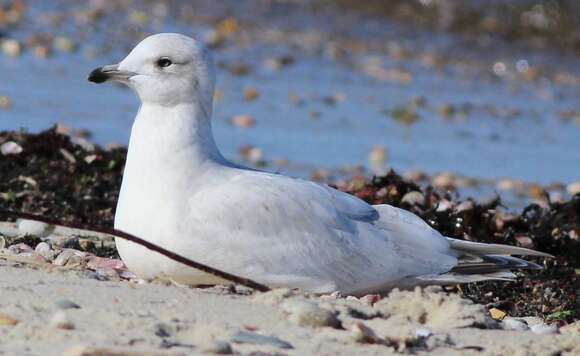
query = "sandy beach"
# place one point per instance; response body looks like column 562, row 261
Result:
column 55, row 311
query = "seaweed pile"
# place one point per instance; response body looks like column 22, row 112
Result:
column 552, row 293
column 60, row 176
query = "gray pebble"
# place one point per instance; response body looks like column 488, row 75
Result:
column 63, row 258
column 45, row 250
column 544, row 329
column 66, row 304
column 60, row 321
column 509, row 323
column 19, row 248
column 35, row 228
column 305, row 313
column 245, row 337
column 218, row 347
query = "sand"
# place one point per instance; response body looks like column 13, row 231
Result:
column 49, row 310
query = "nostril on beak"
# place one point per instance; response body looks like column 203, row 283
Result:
column 98, row 76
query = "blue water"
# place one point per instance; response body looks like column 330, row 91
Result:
column 535, row 146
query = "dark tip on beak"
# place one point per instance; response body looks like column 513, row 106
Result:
column 98, row 76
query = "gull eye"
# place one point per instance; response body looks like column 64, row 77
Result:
column 164, row 62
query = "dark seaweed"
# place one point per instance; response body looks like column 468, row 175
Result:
column 41, row 180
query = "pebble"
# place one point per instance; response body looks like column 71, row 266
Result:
column 509, row 323
column 465, row 206
column 6, row 320
column 252, row 154
column 60, row 320
column 413, row 198
column 444, row 205
column 34, row 228
column 33, row 256
column 251, row 94
column 10, row 148
column 423, row 333
column 279, row 62
column 64, row 44
column 104, row 263
column 244, row 121
column 245, row 337
column 306, row 313
column 66, row 304
column 2, row 242
column 573, row 328
column 12, row 48
column 361, row 333
column 218, row 347
column 63, row 258
column 444, row 180
column 17, row 249
column 416, row 176
column 497, row 314
column 573, row 188
column 544, row 329
column 45, row 250
column 5, row 102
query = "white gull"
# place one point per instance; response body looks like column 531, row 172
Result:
column 179, row 192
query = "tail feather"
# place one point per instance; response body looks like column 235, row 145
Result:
column 479, row 249
column 481, row 262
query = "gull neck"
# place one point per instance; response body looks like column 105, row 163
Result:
column 175, row 130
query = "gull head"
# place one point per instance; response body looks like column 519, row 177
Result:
column 165, row 69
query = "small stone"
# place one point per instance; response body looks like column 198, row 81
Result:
column 306, row 313
column 2, row 242
column 100, row 263
column 573, row 328
column 34, row 228
column 370, row 299
column 33, row 257
column 251, row 94
column 509, row 323
column 60, row 320
column 252, row 154
column 45, row 250
column 66, row 304
column 17, row 249
column 363, row 334
column 42, row 52
column 416, row 176
column 218, row 347
column 6, row 320
column 413, row 198
column 573, row 188
column 464, row 206
column 64, row 44
column 444, row 180
column 10, row 148
column 245, row 337
column 12, row 48
column 279, row 62
column 423, row 333
column 544, row 329
column 5, row 102
column 444, row 205
column 244, row 121
column 63, row 258
column 497, row 314
column 239, row 69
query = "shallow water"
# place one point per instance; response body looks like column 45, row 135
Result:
column 534, row 145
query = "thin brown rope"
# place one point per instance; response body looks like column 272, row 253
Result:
column 129, row 237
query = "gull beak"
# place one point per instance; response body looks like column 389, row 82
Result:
column 109, row 73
